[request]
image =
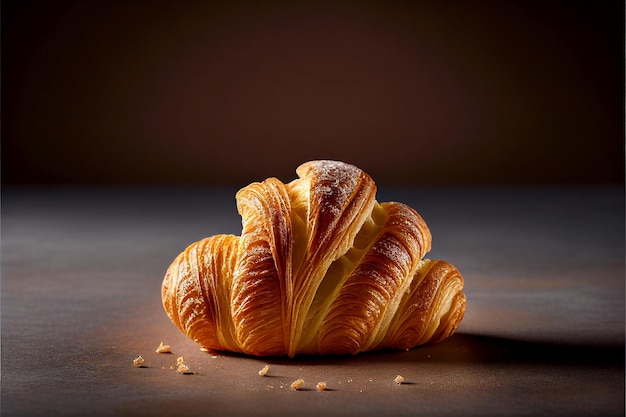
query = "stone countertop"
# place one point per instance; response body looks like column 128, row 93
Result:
column 543, row 333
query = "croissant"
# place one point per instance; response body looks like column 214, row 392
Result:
column 320, row 268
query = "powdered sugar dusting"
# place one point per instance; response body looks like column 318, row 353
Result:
column 336, row 183
column 393, row 250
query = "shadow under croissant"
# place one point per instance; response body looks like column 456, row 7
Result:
column 465, row 348
column 482, row 349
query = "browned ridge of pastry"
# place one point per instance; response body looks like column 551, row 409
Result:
column 320, row 267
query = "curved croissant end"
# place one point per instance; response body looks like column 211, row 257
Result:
column 320, row 267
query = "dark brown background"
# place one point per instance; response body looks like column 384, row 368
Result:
column 424, row 92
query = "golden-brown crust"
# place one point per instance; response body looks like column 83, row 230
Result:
column 320, row 267
column 261, row 291
column 340, row 197
column 432, row 308
column 194, row 288
column 368, row 295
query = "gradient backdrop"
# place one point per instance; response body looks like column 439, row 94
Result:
column 422, row 92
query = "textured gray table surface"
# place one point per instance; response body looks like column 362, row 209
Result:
column 543, row 333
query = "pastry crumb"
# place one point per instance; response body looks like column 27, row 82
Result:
column 263, row 371
column 399, row 379
column 321, row 386
column 184, row 369
column 163, row 348
column 297, row 384
column 181, row 368
column 139, row 361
